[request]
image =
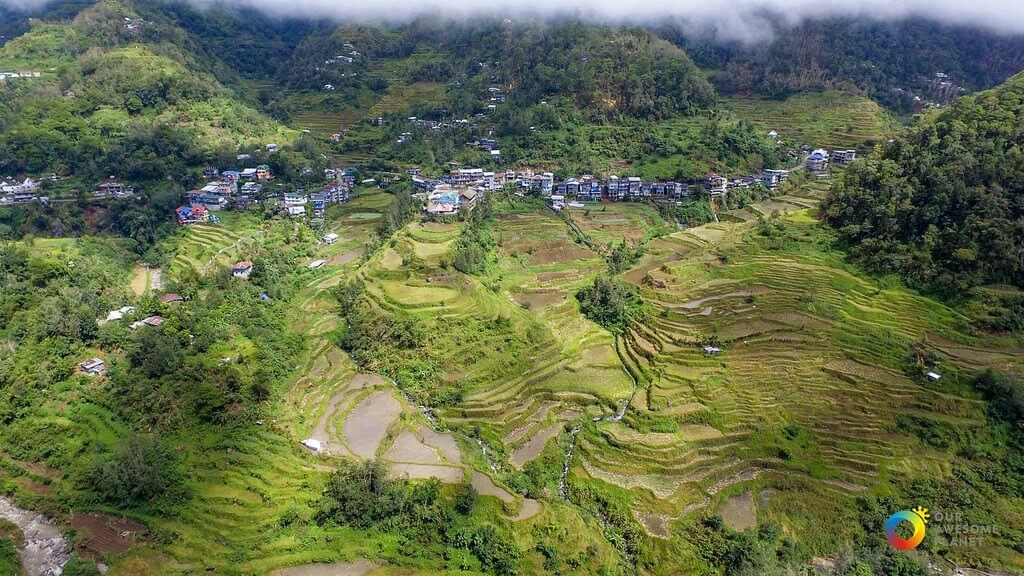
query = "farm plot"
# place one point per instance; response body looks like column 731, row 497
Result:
column 825, row 119
column 612, row 222
column 805, row 390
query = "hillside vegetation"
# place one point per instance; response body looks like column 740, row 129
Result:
column 889, row 62
column 116, row 100
column 830, row 119
column 943, row 206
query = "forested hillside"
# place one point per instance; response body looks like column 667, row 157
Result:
column 119, row 93
column 891, row 62
column 944, row 206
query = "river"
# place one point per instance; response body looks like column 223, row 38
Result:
column 46, row 550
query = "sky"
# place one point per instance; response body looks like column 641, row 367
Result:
column 734, row 19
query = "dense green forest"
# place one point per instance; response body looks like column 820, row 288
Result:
column 891, row 62
column 944, row 206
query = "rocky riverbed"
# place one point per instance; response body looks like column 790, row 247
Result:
column 46, row 550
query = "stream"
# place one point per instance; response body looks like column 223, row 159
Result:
column 613, row 417
column 46, row 550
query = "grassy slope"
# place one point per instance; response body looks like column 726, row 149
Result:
column 829, row 119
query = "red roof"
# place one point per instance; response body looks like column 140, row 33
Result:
column 168, row 298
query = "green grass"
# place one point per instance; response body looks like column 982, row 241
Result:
column 828, row 119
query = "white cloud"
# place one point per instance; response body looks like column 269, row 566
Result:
column 749, row 19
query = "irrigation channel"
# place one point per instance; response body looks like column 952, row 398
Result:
column 45, row 550
column 613, row 417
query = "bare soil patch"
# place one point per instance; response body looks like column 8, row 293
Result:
column 486, row 487
column 534, row 446
column 324, row 431
column 537, row 300
column 549, row 276
column 446, row 474
column 445, row 443
column 558, row 252
column 529, row 509
column 655, row 525
column 408, row 448
column 739, row 512
column 357, row 568
column 346, row 257
column 102, row 534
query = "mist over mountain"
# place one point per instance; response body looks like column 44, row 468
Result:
column 749, row 20
column 746, row 20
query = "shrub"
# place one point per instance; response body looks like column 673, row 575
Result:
column 139, row 471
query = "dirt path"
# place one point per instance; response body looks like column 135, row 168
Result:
column 45, row 550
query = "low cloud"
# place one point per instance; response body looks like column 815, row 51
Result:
column 737, row 19
column 743, row 19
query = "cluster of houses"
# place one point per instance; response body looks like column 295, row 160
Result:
column 113, row 189
column 230, row 188
column 240, row 188
column 586, row 187
column 460, row 186
column 15, row 192
column 446, row 200
column 12, row 75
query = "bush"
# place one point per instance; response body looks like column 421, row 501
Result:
column 139, row 471
column 609, row 302
column 76, row 566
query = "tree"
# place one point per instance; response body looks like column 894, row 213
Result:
column 140, row 470
column 609, row 302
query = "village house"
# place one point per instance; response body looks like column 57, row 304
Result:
column 318, row 204
column 295, row 204
column 250, row 189
column 14, row 192
column 843, row 157
column 774, row 178
column 172, row 298
column 330, row 238
column 151, row 321
column 192, row 214
column 111, row 188
column 242, row 270
column 446, row 200
column 817, row 161
column 118, row 314
column 93, row 367
column 717, row 185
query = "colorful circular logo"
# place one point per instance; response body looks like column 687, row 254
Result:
column 915, row 519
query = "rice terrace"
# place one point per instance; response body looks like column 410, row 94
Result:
column 341, row 289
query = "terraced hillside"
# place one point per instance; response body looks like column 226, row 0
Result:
column 803, row 402
column 829, row 119
column 203, row 247
column 802, row 411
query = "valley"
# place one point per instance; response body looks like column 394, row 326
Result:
column 507, row 296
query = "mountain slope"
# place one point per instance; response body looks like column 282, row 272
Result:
column 891, row 62
column 116, row 88
column 945, row 205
